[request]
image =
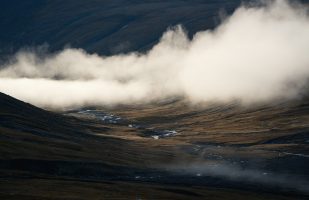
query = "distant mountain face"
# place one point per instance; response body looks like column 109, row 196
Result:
column 102, row 26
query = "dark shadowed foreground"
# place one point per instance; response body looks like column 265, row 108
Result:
column 166, row 151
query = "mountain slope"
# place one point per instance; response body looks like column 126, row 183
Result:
column 30, row 132
column 74, row 152
column 102, row 26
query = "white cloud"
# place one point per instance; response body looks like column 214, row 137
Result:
column 258, row 54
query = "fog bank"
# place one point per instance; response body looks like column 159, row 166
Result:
column 234, row 172
column 258, row 54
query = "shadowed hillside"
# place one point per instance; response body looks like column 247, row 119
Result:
column 102, row 26
column 36, row 133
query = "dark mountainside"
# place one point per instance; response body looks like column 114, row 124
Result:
column 102, row 26
column 168, row 150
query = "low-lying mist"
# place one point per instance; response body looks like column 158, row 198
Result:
column 258, row 54
column 237, row 173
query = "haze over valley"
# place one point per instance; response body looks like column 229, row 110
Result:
column 154, row 100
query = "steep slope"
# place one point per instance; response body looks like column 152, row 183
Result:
column 30, row 132
column 101, row 26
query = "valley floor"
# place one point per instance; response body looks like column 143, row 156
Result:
column 165, row 151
